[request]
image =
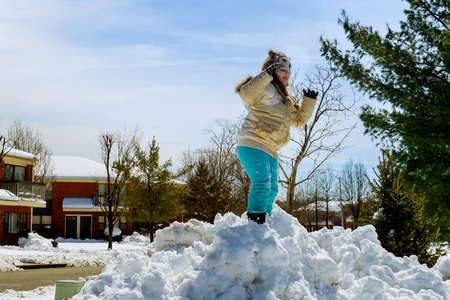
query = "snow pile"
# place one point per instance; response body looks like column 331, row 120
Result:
column 41, row 253
column 443, row 267
column 233, row 260
column 35, row 242
column 79, row 253
column 116, row 231
column 184, row 234
column 43, row 292
column 136, row 239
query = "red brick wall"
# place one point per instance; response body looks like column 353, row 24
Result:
column 2, row 172
column 11, row 238
column 65, row 189
column 77, row 189
column 29, row 173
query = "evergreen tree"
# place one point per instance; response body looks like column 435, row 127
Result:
column 409, row 70
column 212, row 190
column 397, row 214
column 200, row 199
column 154, row 196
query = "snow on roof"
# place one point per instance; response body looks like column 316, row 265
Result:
column 77, row 167
column 7, row 195
column 75, row 202
column 22, row 154
column 332, row 206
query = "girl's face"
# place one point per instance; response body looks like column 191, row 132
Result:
column 283, row 76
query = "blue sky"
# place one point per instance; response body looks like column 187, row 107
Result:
column 73, row 69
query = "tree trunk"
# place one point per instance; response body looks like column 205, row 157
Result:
column 152, row 232
column 110, row 230
column 291, row 191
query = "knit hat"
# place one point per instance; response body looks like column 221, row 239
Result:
column 276, row 56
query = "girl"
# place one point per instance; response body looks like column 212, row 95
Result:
column 271, row 113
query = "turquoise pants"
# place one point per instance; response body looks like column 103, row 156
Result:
column 262, row 169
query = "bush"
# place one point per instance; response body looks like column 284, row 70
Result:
column 48, row 231
column 398, row 216
column 23, row 234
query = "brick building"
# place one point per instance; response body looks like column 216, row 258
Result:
column 19, row 195
column 72, row 200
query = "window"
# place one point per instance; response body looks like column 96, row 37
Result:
column 101, row 223
column 39, row 221
column 14, row 173
column 122, row 223
column 102, row 189
column 14, row 222
column 49, row 191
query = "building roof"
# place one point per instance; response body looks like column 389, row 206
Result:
column 332, row 206
column 21, row 154
column 78, row 167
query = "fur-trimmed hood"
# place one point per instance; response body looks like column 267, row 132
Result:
column 238, row 87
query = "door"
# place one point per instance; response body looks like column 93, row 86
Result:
column 71, row 227
column 85, row 227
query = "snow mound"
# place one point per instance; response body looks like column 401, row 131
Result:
column 35, row 242
column 137, row 239
column 43, row 292
column 116, row 231
column 235, row 260
column 443, row 267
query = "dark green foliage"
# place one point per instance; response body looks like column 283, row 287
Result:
column 408, row 71
column 200, row 200
column 397, row 214
column 154, row 196
column 216, row 187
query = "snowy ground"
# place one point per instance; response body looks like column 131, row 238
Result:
column 235, row 260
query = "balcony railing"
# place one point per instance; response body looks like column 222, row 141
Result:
column 26, row 190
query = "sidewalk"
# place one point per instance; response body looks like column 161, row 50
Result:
column 33, row 278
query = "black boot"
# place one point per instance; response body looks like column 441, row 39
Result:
column 259, row 218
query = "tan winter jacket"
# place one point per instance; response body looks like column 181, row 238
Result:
column 267, row 124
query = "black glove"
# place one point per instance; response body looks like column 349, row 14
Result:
column 272, row 68
column 310, row 93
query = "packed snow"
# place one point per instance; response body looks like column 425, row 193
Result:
column 75, row 253
column 237, row 259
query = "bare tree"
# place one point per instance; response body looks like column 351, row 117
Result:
column 218, row 182
column 117, row 151
column 317, row 140
column 4, row 148
column 355, row 186
column 304, row 205
column 23, row 137
column 326, row 183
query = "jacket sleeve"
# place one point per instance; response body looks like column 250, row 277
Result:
column 301, row 115
column 250, row 92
